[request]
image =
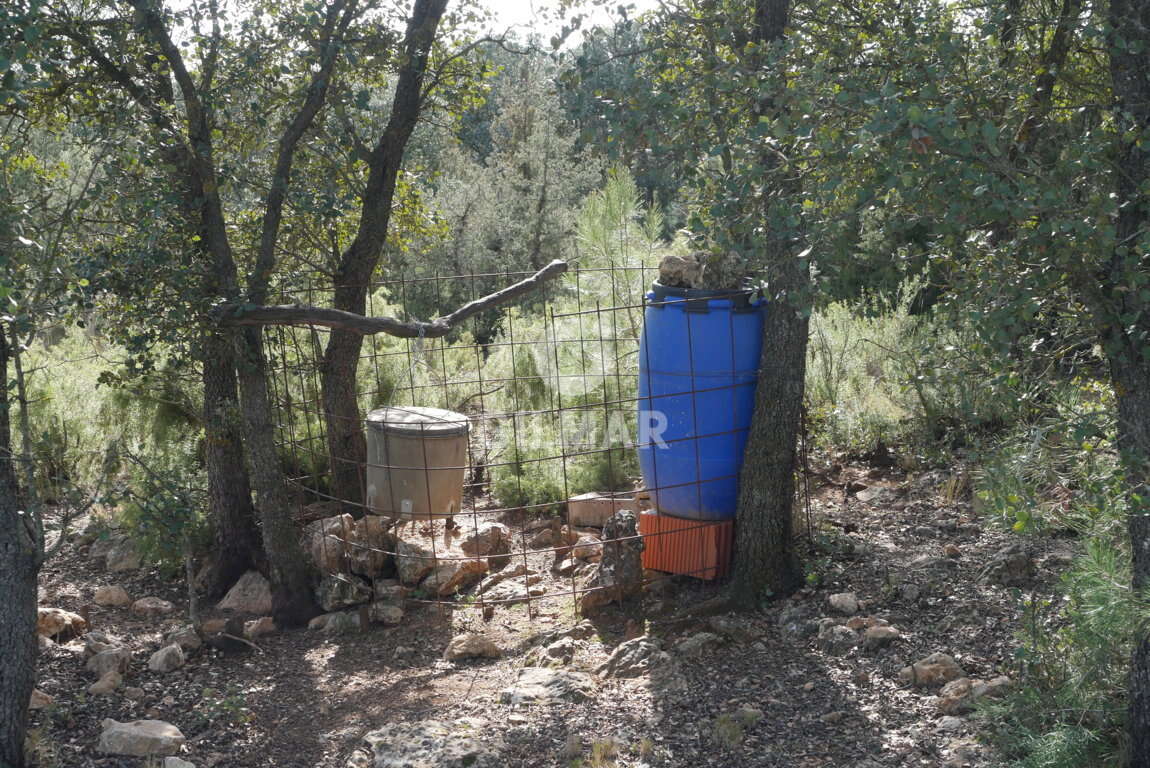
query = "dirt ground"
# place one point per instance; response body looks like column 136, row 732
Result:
column 909, row 547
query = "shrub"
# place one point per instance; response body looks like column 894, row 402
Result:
column 1073, row 660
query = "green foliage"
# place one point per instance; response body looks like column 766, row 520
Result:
column 163, row 507
column 855, row 396
column 551, row 364
column 1073, row 660
column 1058, row 471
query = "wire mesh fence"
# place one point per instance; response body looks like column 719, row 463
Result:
column 502, row 461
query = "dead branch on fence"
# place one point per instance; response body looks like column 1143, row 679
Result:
column 303, row 314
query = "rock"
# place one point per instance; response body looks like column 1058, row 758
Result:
column 175, row 762
column 390, row 590
column 371, row 553
column 837, row 640
column 565, row 567
column 539, row 685
column 961, row 695
column 251, row 594
column 955, row 696
column 558, row 653
column 265, row 625
column 795, row 619
column 844, row 602
column 39, row 699
column 94, row 642
column 488, row 539
column 112, row 597
column 584, row 630
column 634, row 658
column 514, row 591
column 831, row 718
column 935, row 670
column 620, row 570
column 587, row 547
column 414, row 560
column 733, row 628
column 452, row 576
column 698, row 644
column 1011, row 566
column 167, row 659
column 213, row 626
column 909, row 592
column 107, row 683
column 880, row 637
column 543, row 539
column 326, row 541
column 319, row 622
column 341, row 544
column 338, row 623
column 123, row 556
column 186, row 637
column 471, row 645
column 386, row 612
column 116, row 552
column 140, row 738
column 593, row 510
column 336, row 592
column 152, row 607
column 134, row 694
column 950, row 724
column 928, row 562
column 117, row 659
column 493, row 579
column 60, row 625
column 431, row 744
column 680, row 270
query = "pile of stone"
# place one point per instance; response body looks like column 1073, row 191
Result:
column 367, row 570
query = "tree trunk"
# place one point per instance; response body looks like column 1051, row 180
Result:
column 293, row 600
column 346, row 443
column 347, row 447
column 237, row 538
column 1125, row 339
column 765, row 561
column 1132, row 388
column 20, row 559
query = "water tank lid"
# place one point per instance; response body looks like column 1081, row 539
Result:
column 698, row 299
column 414, row 420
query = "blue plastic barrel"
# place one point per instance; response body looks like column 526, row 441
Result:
column 698, row 367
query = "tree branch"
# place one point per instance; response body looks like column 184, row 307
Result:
column 303, row 314
column 339, row 16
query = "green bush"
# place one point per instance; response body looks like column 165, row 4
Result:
column 1073, row 659
column 164, row 508
column 1057, row 471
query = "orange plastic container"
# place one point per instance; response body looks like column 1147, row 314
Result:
column 687, row 547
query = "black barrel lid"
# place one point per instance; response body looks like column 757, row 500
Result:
column 697, row 299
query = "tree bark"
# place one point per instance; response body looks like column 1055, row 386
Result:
column 292, row 577
column 20, row 560
column 1132, row 388
column 237, row 538
column 347, row 446
column 765, row 563
column 1124, row 321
